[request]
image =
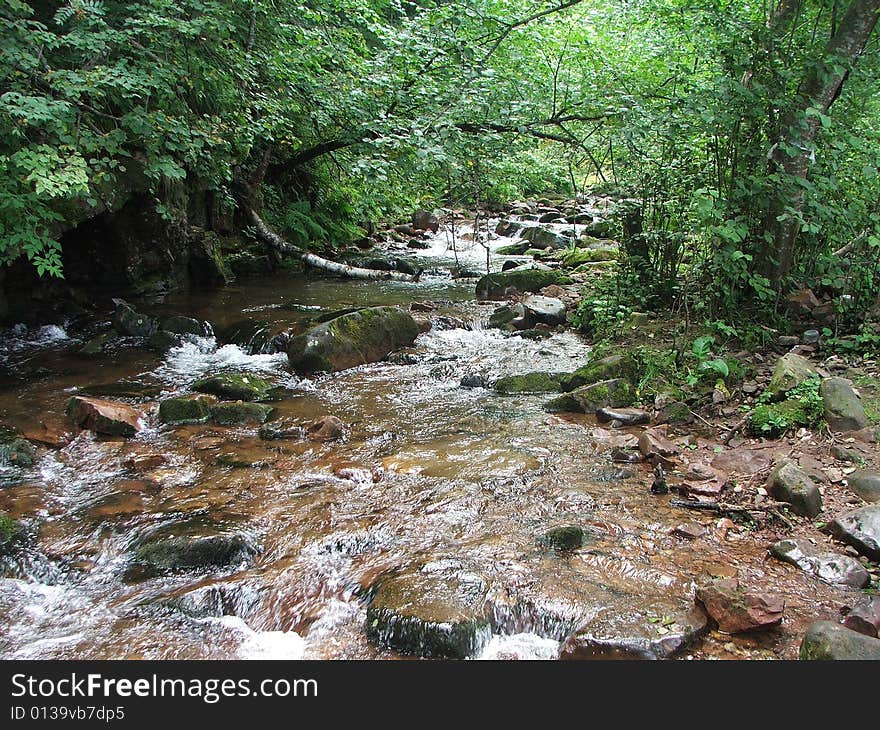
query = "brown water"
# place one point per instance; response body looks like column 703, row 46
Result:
column 429, row 472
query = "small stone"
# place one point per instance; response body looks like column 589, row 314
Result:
column 866, row 484
column 860, row 529
column 736, row 610
column 865, row 617
column 326, row 428
column 788, row 483
column 562, row 539
column 625, row 416
column 828, row 567
column 653, row 443
column 810, row 337
column 625, row 456
column 689, row 530
column 103, row 416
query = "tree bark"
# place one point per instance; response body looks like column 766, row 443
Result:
column 315, row 261
column 820, row 89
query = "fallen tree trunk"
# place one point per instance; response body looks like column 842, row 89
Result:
column 310, row 259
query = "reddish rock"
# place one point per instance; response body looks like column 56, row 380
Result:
column 326, row 428
column 735, row 609
column 104, row 416
column 51, row 436
column 144, row 462
column 689, row 531
column 865, row 618
column 804, row 299
column 743, row 461
column 653, row 443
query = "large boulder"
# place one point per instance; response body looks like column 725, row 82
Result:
column 104, row 416
column 127, row 321
column 861, row 529
column 235, row 386
column 866, row 484
column 788, row 483
column 829, row 567
column 194, row 545
column 519, row 280
column 843, row 408
column 361, row 337
column 614, row 393
column 546, row 310
column 543, row 237
column 539, row 382
column 437, row 611
column 791, row 370
column 735, row 609
column 827, row 640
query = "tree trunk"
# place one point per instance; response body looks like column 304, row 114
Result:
column 310, row 259
column 793, row 154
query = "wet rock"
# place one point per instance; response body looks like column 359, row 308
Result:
column 507, row 317
column 861, row 529
column 791, row 370
column 866, row 484
column 540, row 382
column 239, row 413
column 12, row 534
column 828, row 567
column 519, row 280
column 625, row 456
column 474, row 380
column 180, row 325
column 186, row 409
column 145, row 462
column 193, row 546
column 735, row 609
column 641, row 641
column 676, row 413
column 624, row 416
column 326, row 428
column 865, row 617
column 546, row 310
column 284, row 429
column 133, row 389
column 436, row 611
column 614, row 393
column 126, row 321
column 425, row 220
column 562, row 539
column 353, row 339
column 513, row 249
column 843, row 408
column 103, row 416
column 17, row 452
column 826, row 640
column 235, row 386
column 604, row 369
column 543, row 237
column 162, row 341
column 99, row 345
column 653, row 443
column 460, row 272
column 689, row 530
column 788, row 483
column 418, row 244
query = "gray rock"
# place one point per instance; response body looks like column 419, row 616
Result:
column 17, row 452
column 810, row 337
column 474, row 380
column 614, row 393
column 866, row 484
column 426, row 221
column 788, row 483
column 865, row 617
column 827, row 640
column 843, row 408
column 126, row 321
column 829, row 567
column 184, row 326
column 791, row 370
column 861, row 529
column 625, row 416
column 543, row 309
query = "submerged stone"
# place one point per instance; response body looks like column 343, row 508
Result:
column 186, row 409
column 17, row 452
column 235, row 386
column 562, row 539
column 240, row 413
column 829, row 567
column 195, row 545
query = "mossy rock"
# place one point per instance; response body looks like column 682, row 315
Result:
column 613, row 393
column 774, row 419
column 791, row 370
column 17, row 452
column 538, row 382
column 521, row 280
column 99, row 345
column 127, row 321
column 235, row 386
column 361, row 337
column 612, row 366
column 181, row 325
column 194, row 546
column 514, row 249
column 186, row 409
column 543, row 237
column 12, row 533
column 562, row 539
column 586, row 256
column 826, row 640
column 240, row 413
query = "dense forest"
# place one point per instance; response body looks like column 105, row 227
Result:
column 490, row 329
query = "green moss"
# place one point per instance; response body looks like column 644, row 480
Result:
column 613, row 393
column 576, row 257
column 239, row 413
column 11, row 532
column 774, row 419
column 514, row 249
column 17, row 452
column 520, row 280
column 538, row 382
column 235, row 386
column 178, row 411
column 869, row 390
column 562, row 539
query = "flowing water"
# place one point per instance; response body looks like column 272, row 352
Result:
column 429, row 473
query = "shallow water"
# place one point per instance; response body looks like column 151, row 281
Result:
column 428, row 472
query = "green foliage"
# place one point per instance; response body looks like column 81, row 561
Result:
column 802, row 407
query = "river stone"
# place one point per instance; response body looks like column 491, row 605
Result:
column 191, row 546
column 539, row 382
column 361, row 337
column 474, row 380
column 604, row 369
column 508, row 316
column 865, row 617
column 126, row 321
column 843, row 408
column 122, row 389
column 736, row 610
column 866, row 484
column 788, row 483
column 519, row 280
column 791, row 370
column 282, row 429
column 436, row 611
column 239, row 413
column 104, row 416
column 235, row 386
column 861, row 529
column 325, row 428
column 625, row 416
column 827, row 640
column 614, row 393
column 186, row 409
column 507, row 228
column 653, row 443
column 829, row 567
column 543, row 237
column 99, row 345
column 426, row 221
column 162, row 341
column 17, row 452
column 546, row 310
column 12, row 533
column 640, row 641
column 562, row 539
